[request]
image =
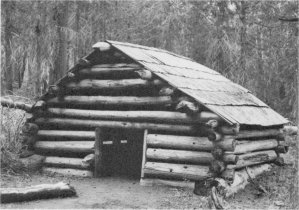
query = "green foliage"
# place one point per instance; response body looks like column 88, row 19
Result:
column 252, row 48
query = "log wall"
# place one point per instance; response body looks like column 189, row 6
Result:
column 184, row 141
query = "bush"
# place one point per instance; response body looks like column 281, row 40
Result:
column 10, row 143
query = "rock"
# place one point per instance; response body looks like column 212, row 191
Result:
column 279, row 203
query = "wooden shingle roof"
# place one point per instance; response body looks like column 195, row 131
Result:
column 234, row 103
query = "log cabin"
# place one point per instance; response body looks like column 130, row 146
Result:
column 127, row 109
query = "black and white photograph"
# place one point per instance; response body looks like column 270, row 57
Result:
column 149, row 104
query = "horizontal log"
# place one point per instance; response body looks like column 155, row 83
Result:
column 110, row 100
column 103, row 69
column 244, row 134
column 155, row 116
column 64, row 123
column 182, row 156
column 63, row 162
column 176, row 171
column 67, row 172
column 58, row 135
column 81, row 147
column 187, row 142
column 42, row 191
column 165, row 182
column 188, row 157
column 15, row 104
column 91, row 84
column 255, row 158
column 251, row 146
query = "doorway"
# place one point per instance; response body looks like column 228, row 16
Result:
column 122, row 152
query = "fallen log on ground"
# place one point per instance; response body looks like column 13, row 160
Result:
column 15, row 104
column 241, row 179
column 156, row 116
column 43, row 191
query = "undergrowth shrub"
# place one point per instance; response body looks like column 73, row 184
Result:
column 12, row 121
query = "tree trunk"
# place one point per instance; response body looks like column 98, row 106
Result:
column 77, row 30
column 60, row 63
column 243, row 44
column 8, row 7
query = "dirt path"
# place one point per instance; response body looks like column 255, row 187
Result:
column 107, row 193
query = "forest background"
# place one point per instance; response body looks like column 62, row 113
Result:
column 244, row 40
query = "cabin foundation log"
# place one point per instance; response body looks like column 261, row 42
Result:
column 254, row 158
column 183, row 156
column 63, row 162
column 67, row 172
column 176, row 171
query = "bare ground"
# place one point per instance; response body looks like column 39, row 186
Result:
column 120, row 192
